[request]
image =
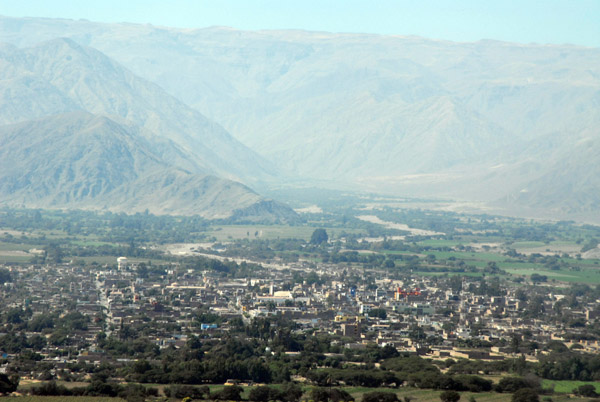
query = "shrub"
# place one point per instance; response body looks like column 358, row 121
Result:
column 450, row 396
column 182, row 391
column 340, row 395
column 525, row 395
column 230, row 393
column 587, row 390
column 473, row 383
column 265, row 394
column 291, row 392
column 511, row 384
column 50, row 389
column 379, row 397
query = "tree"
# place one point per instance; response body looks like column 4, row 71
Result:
column 291, row 392
column 526, row 395
column 319, row 394
column 450, row 396
column 8, row 384
column 142, row 270
column 54, row 253
column 4, row 276
column 587, row 390
column 183, row 391
column 260, row 394
column 473, row 383
column 340, row 395
column 319, row 236
column 536, row 278
column 378, row 313
column 416, row 333
column 521, row 294
column 379, row 397
column 230, row 393
column 14, row 316
column 388, row 352
column 512, row 384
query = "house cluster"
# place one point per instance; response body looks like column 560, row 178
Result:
column 171, row 304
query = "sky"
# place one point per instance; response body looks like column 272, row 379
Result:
column 524, row 21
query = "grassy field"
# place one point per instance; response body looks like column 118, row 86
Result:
column 14, row 252
column 5, row 246
column 469, row 257
column 427, row 395
column 415, row 394
column 585, row 275
column 439, row 243
column 92, row 242
column 14, row 258
column 567, row 386
column 561, row 246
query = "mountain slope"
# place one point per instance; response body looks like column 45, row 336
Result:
column 79, row 160
column 571, row 184
column 473, row 121
column 60, row 75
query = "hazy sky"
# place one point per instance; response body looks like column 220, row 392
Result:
column 525, row 21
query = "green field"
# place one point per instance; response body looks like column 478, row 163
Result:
column 14, row 259
column 558, row 246
column 439, row 243
column 469, row 274
column 567, row 386
column 9, row 252
column 468, row 257
column 562, row 388
column 586, row 275
column 91, row 242
column 15, row 246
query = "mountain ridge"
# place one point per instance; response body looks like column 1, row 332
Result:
column 91, row 81
column 124, row 143
column 80, row 160
column 360, row 108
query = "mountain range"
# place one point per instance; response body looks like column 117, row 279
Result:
column 81, row 131
column 515, row 126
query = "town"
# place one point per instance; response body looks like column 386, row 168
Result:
column 337, row 320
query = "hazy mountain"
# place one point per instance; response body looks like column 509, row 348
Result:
column 93, row 135
column 491, row 121
column 570, row 184
column 60, row 76
column 79, row 160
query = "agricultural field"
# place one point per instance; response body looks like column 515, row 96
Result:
column 427, row 395
column 589, row 275
column 15, row 252
column 567, row 387
column 414, row 394
column 551, row 248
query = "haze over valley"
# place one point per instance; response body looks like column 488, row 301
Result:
column 509, row 126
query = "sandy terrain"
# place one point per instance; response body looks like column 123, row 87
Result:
column 398, row 226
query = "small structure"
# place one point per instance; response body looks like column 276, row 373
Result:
column 122, row 263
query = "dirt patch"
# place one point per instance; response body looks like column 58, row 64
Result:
column 399, row 226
